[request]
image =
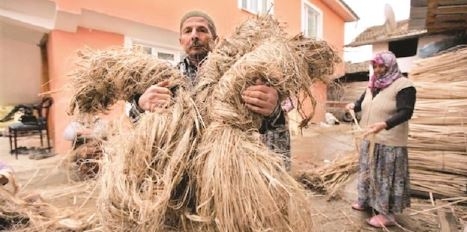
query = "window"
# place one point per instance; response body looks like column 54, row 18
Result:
column 404, row 48
column 312, row 21
column 170, row 55
column 257, row 6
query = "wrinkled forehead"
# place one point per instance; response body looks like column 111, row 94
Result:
column 193, row 22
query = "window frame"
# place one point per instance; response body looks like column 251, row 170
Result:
column 155, row 49
column 319, row 24
column 269, row 6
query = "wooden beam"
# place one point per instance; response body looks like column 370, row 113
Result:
column 418, row 3
column 451, row 2
column 451, row 10
column 447, row 25
column 451, row 17
column 430, row 15
column 417, row 24
column 444, row 29
column 418, row 12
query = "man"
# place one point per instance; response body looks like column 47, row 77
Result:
column 197, row 38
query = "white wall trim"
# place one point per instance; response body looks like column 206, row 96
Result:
column 47, row 17
column 32, row 14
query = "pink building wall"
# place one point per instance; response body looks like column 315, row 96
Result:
column 166, row 14
column 62, row 47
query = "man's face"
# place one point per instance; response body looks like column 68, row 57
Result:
column 196, row 38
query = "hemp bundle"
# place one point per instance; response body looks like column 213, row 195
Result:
column 141, row 165
column 106, row 76
column 174, row 170
column 329, row 179
column 143, row 171
column 244, row 39
column 83, row 162
column 21, row 212
column 261, row 194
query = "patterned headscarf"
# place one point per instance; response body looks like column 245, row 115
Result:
column 393, row 72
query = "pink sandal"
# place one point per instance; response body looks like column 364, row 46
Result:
column 357, row 206
column 381, row 221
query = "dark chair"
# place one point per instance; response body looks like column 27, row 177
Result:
column 34, row 127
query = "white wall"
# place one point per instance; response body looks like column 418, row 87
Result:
column 20, row 71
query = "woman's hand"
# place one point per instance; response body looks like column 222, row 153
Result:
column 375, row 128
column 260, row 98
column 349, row 107
column 156, row 96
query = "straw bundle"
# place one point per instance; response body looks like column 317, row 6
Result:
column 144, row 171
column 439, row 183
column 165, row 174
column 106, row 76
column 330, row 178
column 142, row 165
column 440, row 112
column 263, row 195
column 446, row 90
column 437, row 139
column 244, row 39
column 439, row 161
column 445, row 68
column 84, row 160
column 21, row 212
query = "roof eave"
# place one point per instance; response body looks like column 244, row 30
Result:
column 342, row 9
column 390, row 39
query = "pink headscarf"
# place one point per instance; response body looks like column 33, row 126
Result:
column 389, row 60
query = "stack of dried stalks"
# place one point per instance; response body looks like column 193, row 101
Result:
column 330, row 178
column 438, row 133
column 256, row 176
column 199, row 164
column 438, row 141
column 103, row 77
column 84, row 160
column 142, row 165
column 29, row 212
column 245, row 38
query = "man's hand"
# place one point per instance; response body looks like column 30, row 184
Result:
column 156, row 96
column 375, row 128
column 260, row 98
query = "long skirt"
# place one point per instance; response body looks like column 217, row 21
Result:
column 383, row 179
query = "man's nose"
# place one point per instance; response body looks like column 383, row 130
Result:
column 194, row 35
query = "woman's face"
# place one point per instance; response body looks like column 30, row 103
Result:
column 379, row 70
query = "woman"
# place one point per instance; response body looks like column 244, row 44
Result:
column 387, row 105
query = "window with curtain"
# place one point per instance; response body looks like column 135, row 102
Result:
column 312, row 20
column 257, row 6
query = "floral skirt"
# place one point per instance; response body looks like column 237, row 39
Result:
column 383, row 179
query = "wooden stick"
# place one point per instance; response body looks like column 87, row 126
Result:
column 437, row 207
